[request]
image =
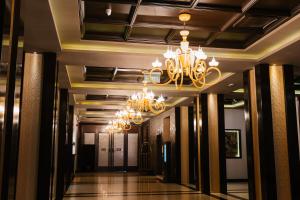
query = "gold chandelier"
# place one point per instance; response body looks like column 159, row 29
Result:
column 146, row 102
column 112, row 127
column 185, row 62
column 121, row 124
column 130, row 115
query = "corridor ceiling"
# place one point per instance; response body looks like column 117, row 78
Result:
column 214, row 23
column 101, row 57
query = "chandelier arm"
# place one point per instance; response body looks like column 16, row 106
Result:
column 154, row 82
column 217, row 79
column 155, row 111
column 196, row 84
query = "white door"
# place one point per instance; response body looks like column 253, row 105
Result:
column 132, row 149
column 118, row 149
column 103, row 150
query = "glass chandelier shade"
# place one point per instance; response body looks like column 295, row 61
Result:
column 113, row 127
column 130, row 115
column 185, row 62
column 120, row 124
column 146, row 102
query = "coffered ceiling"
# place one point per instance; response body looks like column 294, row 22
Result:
column 214, row 23
column 101, row 58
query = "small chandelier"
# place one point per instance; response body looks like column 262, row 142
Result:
column 186, row 62
column 124, row 125
column 130, row 115
column 112, row 128
column 146, row 102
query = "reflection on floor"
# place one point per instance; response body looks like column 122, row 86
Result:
column 121, row 186
column 238, row 189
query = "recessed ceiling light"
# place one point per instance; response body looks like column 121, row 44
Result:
column 231, row 85
column 241, row 90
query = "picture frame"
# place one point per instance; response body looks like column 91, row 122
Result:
column 233, row 143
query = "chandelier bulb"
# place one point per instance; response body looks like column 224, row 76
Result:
column 156, row 63
column 213, row 62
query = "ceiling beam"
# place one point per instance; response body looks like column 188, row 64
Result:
column 231, row 22
column 150, row 24
column 197, row 5
column 131, row 19
column 217, row 7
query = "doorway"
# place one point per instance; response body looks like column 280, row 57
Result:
column 117, row 152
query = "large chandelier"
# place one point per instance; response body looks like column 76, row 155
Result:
column 185, row 62
column 146, row 102
column 130, row 115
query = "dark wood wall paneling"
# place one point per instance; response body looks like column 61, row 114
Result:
column 2, row 14
column 192, row 153
column 204, row 150
column 11, row 136
column 46, row 128
column 222, row 150
column 292, row 134
column 125, row 151
column 177, row 154
column 196, row 139
column 70, row 158
column 249, row 134
column 266, row 142
column 62, row 131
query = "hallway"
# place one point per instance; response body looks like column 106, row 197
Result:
column 118, row 186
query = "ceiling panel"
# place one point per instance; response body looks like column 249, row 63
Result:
column 224, row 2
column 214, row 23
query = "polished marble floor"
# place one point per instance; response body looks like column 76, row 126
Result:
column 129, row 186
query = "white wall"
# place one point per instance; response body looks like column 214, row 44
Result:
column 237, row 168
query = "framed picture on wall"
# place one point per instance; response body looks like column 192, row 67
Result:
column 233, row 143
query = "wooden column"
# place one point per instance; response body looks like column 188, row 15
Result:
column 222, row 150
column 10, row 137
column 2, row 14
column 291, row 130
column 184, row 145
column 177, row 146
column 62, row 131
column 36, row 126
column 274, row 133
column 196, row 122
column 248, row 110
column 204, row 150
column 192, row 153
column 265, row 132
column 49, row 76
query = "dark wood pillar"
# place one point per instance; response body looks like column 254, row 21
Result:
column 222, row 150
column 177, row 155
column 249, row 135
column 292, row 134
column 192, row 152
column 48, row 92
column 196, row 124
column 36, row 126
column 204, row 154
column 273, row 152
column 62, row 131
column 11, row 137
column 265, row 129
column 69, row 147
column 126, row 151
column 2, row 14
